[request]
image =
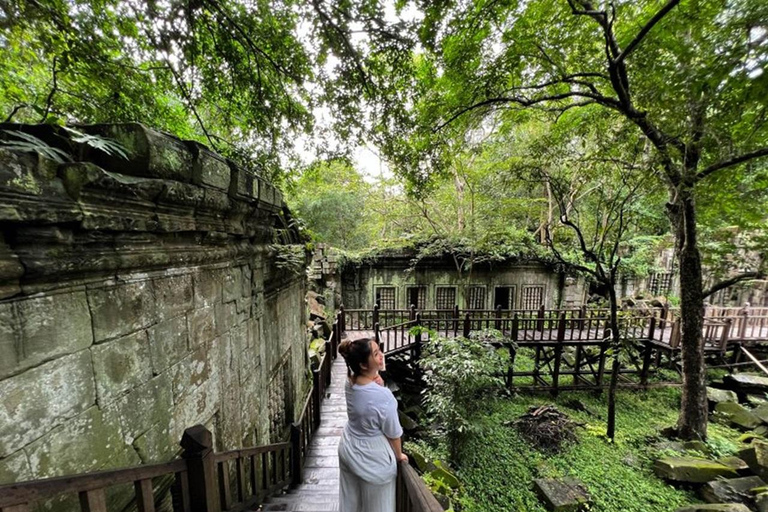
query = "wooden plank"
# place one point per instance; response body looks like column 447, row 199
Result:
column 93, row 501
column 225, row 493
column 144, row 497
column 22, row 507
column 240, row 474
column 180, row 492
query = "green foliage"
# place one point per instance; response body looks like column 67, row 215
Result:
column 26, row 143
column 497, row 466
column 458, row 372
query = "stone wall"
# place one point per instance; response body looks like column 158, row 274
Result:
column 139, row 297
column 361, row 281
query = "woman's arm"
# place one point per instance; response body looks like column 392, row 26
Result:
column 397, row 447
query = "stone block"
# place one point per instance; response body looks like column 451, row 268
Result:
column 209, row 169
column 199, row 406
column 562, row 495
column 762, row 412
column 226, row 317
column 151, row 154
column 731, row 490
column 145, row 406
column 243, row 184
column 15, row 468
column 11, row 271
column 39, row 399
column 735, row 463
column 716, row 396
column 83, row 444
column 738, row 415
column 208, row 287
column 156, row 445
column 201, row 325
column 690, row 469
column 233, row 284
column 746, row 383
column 168, row 343
column 30, row 191
column 120, row 309
column 176, row 206
column 173, row 296
column 110, row 201
column 756, row 456
column 121, row 365
column 192, row 371
column 42, row 328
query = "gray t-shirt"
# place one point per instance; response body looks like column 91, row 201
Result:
column 372, row 411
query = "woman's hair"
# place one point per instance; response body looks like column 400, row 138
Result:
column 355, row 353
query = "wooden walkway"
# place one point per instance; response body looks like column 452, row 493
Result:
column 319, row 489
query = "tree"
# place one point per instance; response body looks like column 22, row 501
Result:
column 686, row 76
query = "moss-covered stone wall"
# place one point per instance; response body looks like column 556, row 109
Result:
column 360, row 282
column 139, row 297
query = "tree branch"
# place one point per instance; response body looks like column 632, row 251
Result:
column 731, row 162
column 15, row 111
column 746, row 276
column 54, row 89
column 647, row 28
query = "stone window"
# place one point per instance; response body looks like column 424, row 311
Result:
column 417, row 296
column 504, row 296
column 660, row 283
column 476, row 297
column 533, row 297
column 385, row 297
column 445, row 297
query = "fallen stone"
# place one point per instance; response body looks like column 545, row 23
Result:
column 762, row 412
column 697, row 446
column 735, row 463
column 761, row 502
column 692, row 470
column 716, row 396
column 716, row 507
column 562, row 495
column 733, row 490
column 747, row 383
column 738, row 415
column 756, row 456
column 762, row 430
column 756, row 400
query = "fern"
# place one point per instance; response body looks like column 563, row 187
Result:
column 31, row 144
column 108, row 146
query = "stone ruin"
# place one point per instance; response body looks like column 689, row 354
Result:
column 140, row 296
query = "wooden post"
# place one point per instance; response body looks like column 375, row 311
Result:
column 197, row 442
column 724, row 336
column 744, row 314
column 558, row 353
column 316, row 398
column 664, row 316
column 225, row 494
column 652, row 328
column 466, row 325
column 646, row 362
column 343, row 323
column 144, row 497
column 336, row 339
column 412, row 313
column 456, row 320
column 582, row 316
column 577, row 366
column 375, row 314
column 377, row 335
column 93, row 501
column 540, row 316
column 328, row 365
column 497, row 324
column 417, row 341
column 296, row 462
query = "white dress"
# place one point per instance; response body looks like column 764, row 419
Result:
column 366, row 459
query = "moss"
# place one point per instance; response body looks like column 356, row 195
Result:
column 497, row 466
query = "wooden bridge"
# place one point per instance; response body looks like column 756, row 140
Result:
column 568, row 349
column 300, row 474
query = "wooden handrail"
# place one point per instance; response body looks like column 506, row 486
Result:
column 413, row 495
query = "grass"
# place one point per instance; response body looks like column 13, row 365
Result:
column 497, row 467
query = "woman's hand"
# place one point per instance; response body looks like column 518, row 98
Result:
column 378, row 380
column 403, row 458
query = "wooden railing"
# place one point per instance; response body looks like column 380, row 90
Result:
column 412, row 494
column 202, row 479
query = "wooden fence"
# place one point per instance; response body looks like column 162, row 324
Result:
column 202, row 478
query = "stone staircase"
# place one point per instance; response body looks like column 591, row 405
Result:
column 319, row 489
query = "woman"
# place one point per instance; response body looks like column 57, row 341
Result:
column 370, row 445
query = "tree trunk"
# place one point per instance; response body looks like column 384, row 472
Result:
column 616, row 344
column 692, row 423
